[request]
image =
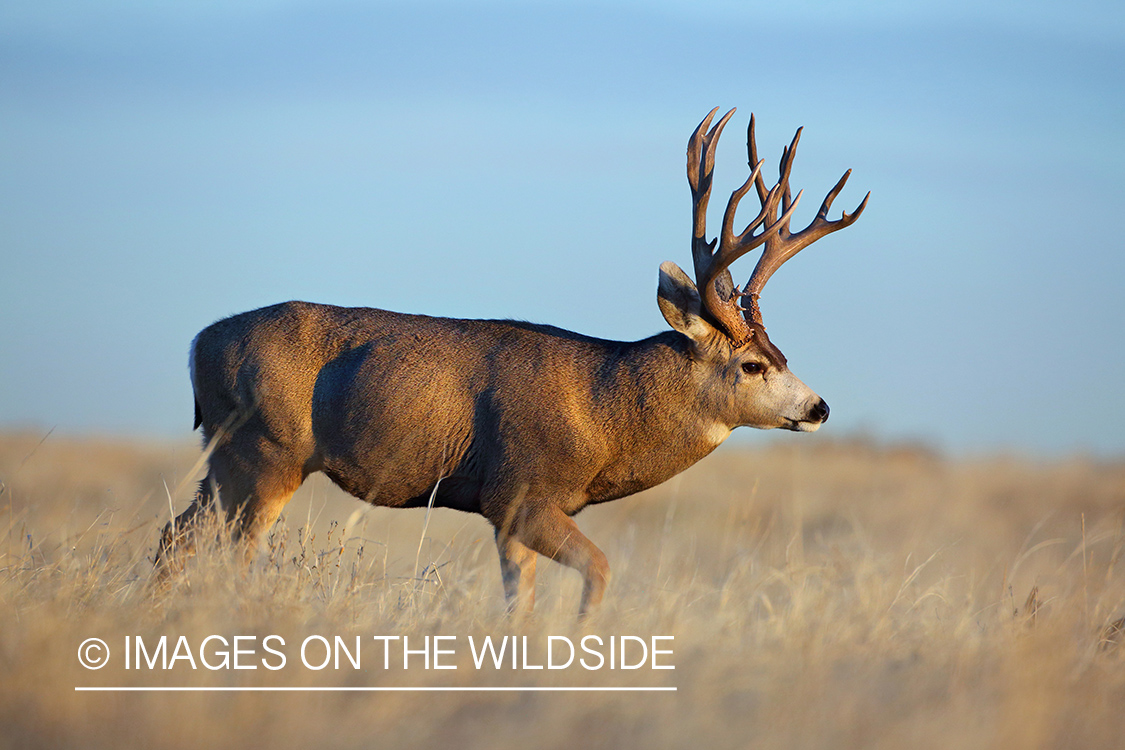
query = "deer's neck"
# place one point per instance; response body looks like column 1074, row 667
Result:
column 658, row 415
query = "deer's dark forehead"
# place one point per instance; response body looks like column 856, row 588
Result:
column 761, row 343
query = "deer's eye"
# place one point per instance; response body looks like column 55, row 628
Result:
column 752, row 368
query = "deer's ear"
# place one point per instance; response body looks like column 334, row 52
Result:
column 680, row 305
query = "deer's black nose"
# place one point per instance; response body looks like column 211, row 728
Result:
column 820, row 411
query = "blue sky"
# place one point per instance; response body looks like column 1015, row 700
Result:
column 163, row 165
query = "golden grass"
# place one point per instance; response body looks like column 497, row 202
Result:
column 821, row 594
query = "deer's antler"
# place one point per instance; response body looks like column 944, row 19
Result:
column 720, row 296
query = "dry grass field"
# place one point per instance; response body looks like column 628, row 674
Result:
column 821, row 595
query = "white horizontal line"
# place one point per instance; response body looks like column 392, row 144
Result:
column 283, row 689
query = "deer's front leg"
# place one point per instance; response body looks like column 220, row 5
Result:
column 517, row 568
column 552, row 533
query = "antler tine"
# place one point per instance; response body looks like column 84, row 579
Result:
column 847, row 218
column 732, row 246
column 700, row 166
column 784, row 169
column 783, row 245
column 769, row 202
column 752, row 153
column 695, row 175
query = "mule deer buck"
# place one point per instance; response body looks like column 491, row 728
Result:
column 524, row 424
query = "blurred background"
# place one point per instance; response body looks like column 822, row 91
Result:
column 166, row 164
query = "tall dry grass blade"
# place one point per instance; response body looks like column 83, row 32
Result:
column 1031, row 607
column 1112, row 635
column 425, row 526
column 1085, row 575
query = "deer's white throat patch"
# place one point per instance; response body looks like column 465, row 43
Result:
column 716, row 433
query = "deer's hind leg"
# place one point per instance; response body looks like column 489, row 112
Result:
column 178, row 540
column 253, row 499
column 251, row 493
